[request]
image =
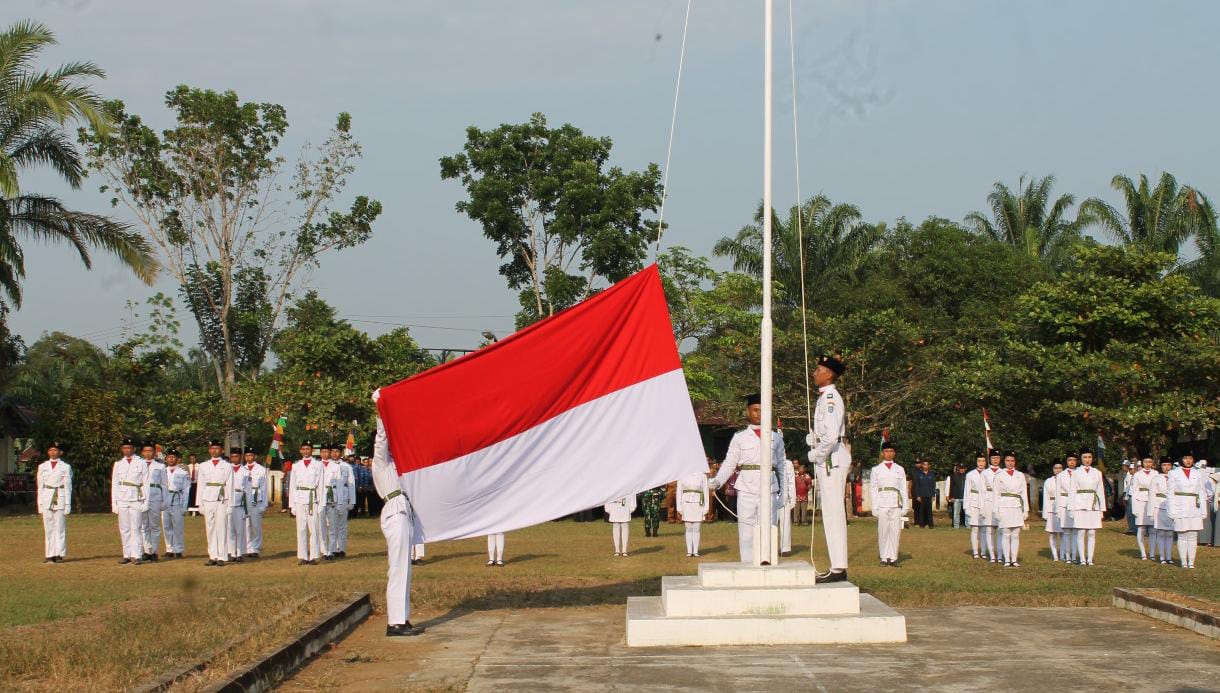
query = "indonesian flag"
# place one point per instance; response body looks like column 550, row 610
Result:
column 587, row 406
column 987, row 432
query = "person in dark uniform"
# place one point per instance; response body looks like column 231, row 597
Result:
column 653, row 499
column 923, row 483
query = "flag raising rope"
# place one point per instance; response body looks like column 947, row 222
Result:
column 987, row 433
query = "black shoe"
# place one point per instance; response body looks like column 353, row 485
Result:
column 220, row 562
column 313, row 562
column 893, row 564
column 785, row 553
column 237, row 559
column 328, row 557
column 403, row 629
column 138, row 561
column 342, row 554
column 417, row 561
column 832, row 576
column 124, row 561
column 884, row 563
column 49, row 559
column 254, row 555
column 210, row 562
column 153, row 557
column 302, row 562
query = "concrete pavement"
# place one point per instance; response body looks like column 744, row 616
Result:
column 950, row 649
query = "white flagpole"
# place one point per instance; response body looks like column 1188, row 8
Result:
column 762, row 550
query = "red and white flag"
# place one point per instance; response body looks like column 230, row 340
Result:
column 585, row 407
column 987, row 433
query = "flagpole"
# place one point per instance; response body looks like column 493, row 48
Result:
column 762, row 552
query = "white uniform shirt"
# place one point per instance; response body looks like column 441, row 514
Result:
column 215, row 478
column 347, row 490
column 129, row 482
column 1010, row 491
column 620, row 510
column 1087, row 491
column 745, row 457
column 385, row 473
column 1188, row 495
column 829, row 429
column 258, row 486
column 988, row 493
column 156, row 484
column 975, row 488
column 307, row 483
column 243, row 494
column 888, row 487
column 177, row 487
column 54, row 486
column 1141, row 485
column 1063, row 483
column 332, row 484
column 1050, row 496
column 693, row 497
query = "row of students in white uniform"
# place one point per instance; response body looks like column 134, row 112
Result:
column 150, row 496
column 1169, row 502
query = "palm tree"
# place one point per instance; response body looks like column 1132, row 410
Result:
column 1205, row 269
column 836, row 244
column 35, row 107
column 1030, row 222
column 1161, row 218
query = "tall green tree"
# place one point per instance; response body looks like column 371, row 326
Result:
column 35, row 107
column 1112, row 346
column 561, row 218
column 1160, row 218
column 1032, row 220
column 207, row 193
column 836, row 244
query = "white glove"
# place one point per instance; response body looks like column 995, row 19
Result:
column 811, row 457
column 809, row 439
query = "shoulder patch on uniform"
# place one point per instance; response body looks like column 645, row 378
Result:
column 830, row 395
column 830, row 408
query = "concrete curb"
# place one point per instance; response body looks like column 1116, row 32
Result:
column 1179, row 615
column 277, row 665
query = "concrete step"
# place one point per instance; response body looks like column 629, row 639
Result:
column 793, row 574
column 685, row 596
column 648, row 626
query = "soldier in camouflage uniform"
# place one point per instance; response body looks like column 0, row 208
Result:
column 654, row 499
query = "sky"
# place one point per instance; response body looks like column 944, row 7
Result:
column 907, row 108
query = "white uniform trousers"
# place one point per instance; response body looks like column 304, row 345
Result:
column 747, row 519
column 150, row 531
column 834, row 515
column 216, row 525
column 340, row 543
column 55, row 532
column 889, row 527
column 309, row 529
column 237, row 531
column 785, row 530
column 254, row 532
column 129, row 528
column 172, row 520
column 396, row 526
column 620, row 532
column 328, row 534
column 495, row 547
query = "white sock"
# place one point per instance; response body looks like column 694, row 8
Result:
column 1015, row 547
column 1092, row 542
column 1139, row 539
column 974, row 540
column 1054, row 537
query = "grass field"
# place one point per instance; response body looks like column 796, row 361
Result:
column 90, row 623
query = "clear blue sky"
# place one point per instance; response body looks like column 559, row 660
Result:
column 908, row 108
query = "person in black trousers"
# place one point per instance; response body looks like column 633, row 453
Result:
column 923, row 487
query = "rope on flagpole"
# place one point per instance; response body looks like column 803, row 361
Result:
column 673, row 121
column 800, row 242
